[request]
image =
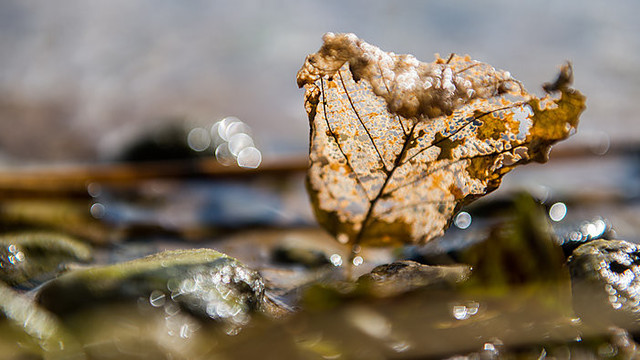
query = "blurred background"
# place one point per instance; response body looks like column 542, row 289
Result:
column 87, row 85
column 90, row 83
column 81, row 79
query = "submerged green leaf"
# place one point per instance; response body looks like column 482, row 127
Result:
column 30, row 258
column 205, row 282
column 398, row 146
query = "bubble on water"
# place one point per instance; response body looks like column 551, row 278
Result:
column 234, row 144
column 224, row 125
column 336, row 260
column 98, row 210
column 343, row 238
column 591, row 230
column 557, row 211
column 20, row 256
column 600, row 228
column 358, row 260
column 157, row 298
column 198, row 139
column 465, row 311
column 94, row 189
column 223, row 155
column 249, row 157
column 239, row 142
column 237, row 128
column 462, row 220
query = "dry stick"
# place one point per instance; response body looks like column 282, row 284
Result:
column 68, row 180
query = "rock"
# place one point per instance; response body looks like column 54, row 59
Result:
column 384, row 281
column 605, row 277
column 202, row 282
column 403, row 276
column 166, row 141
column 28, row 259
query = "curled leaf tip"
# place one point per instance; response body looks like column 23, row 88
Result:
column 563, row 81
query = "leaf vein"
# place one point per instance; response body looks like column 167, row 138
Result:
column 362, row 122
column 335, row 138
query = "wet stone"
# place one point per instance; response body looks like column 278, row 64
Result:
column 403, row 276
column 202, row 282
column 28, row 259
column 605, row 276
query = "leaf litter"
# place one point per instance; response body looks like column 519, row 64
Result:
column 398, row 146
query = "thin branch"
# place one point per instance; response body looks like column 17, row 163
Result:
column 389, row 92
column 467, row 68
column 450, row 57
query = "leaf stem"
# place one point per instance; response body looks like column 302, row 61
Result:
column 368, row 216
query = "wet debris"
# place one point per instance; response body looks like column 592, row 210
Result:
column 202, row 282
column 294, row 255
column 29, row 332
column 30, row 258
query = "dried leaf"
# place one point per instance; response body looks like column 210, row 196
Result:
column 398, row 146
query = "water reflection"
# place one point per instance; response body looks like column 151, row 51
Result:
column 157, row 298
column 377, row 326
column 370, row 322
column 558, row 211
column 224, row 155
column 239, row 142
column 336, row 260
column 198, row 139
column 14, row 257
column 491, row 350
column 94, row 189
column 465, row 311
column 599, row 142
column 462, row 220
column 358, row 260
column 250, row 158
column 98, row 210
column 235, row 143
column 597, row 228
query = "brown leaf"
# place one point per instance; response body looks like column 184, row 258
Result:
column 398, row 146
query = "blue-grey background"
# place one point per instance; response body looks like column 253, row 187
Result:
column 77, row 76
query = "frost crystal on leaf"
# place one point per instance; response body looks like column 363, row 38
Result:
column 398, row 146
